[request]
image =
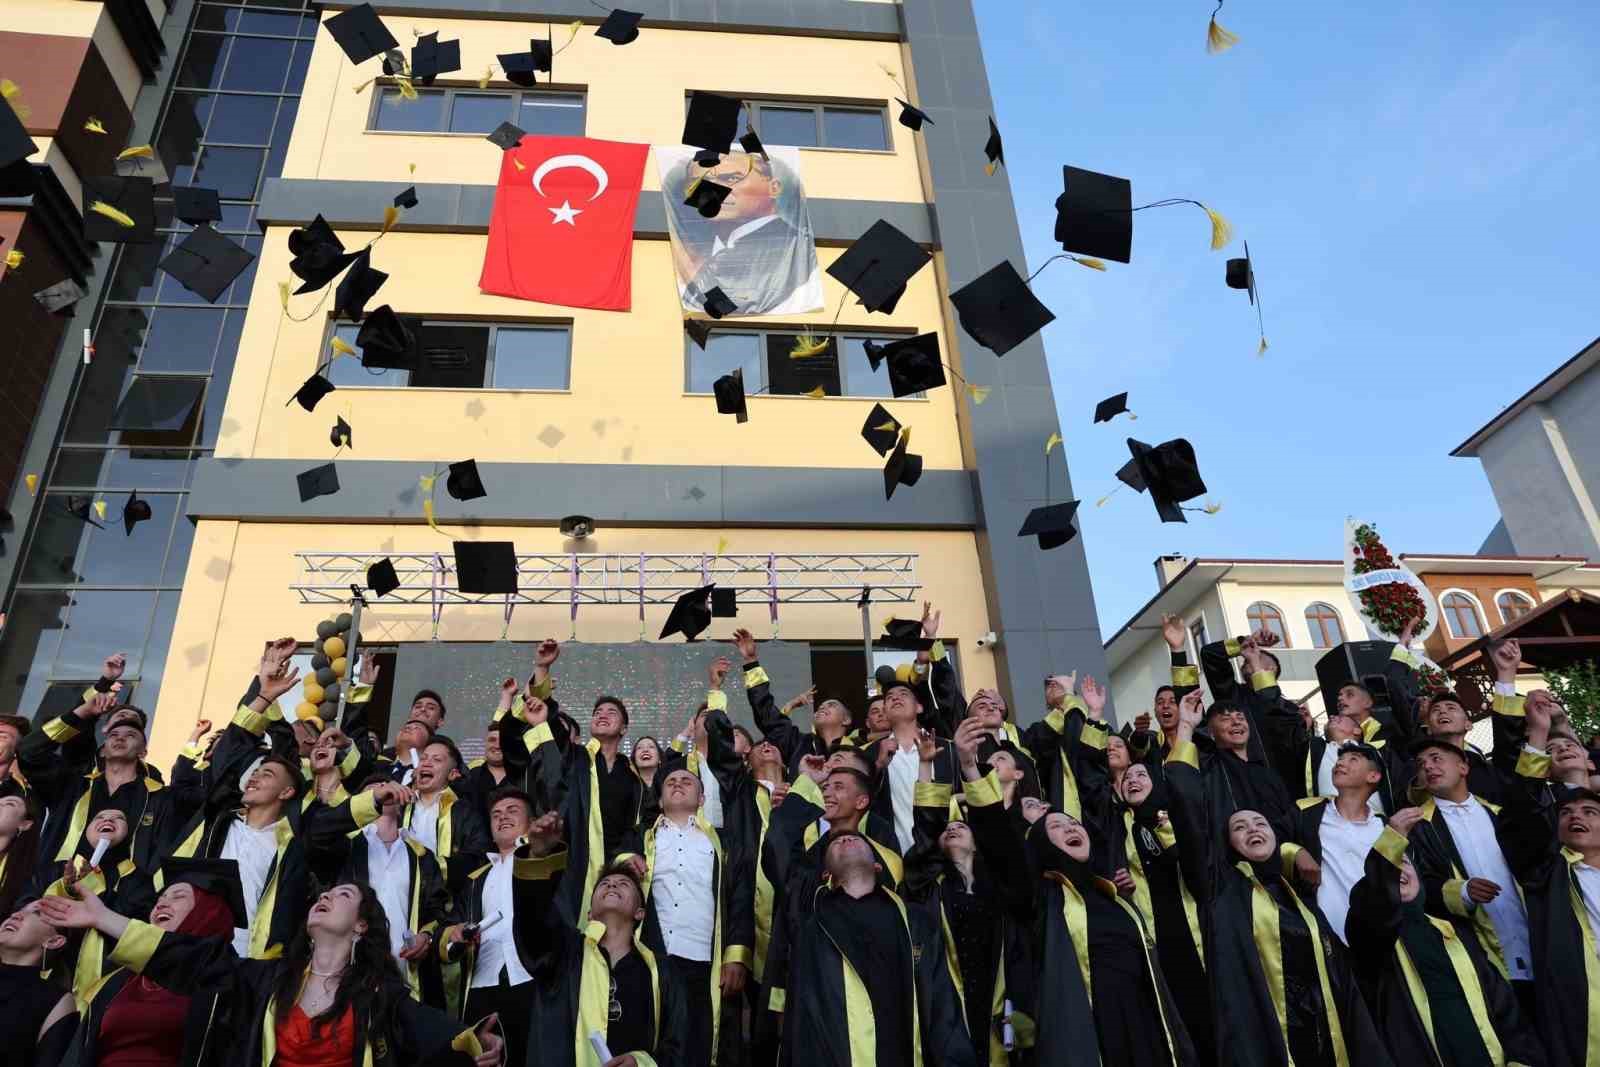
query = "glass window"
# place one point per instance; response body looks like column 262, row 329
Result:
column 113, row 556
column 137, row 276
column 257, row 64
column 724, row 352
column 232, row 172
column 240, row 119
column 478, row 112
column 347, row 370
column 1513, row 606
column 99, row 623
column 794, row 126
column 395, row 112
column 182, row 339
column 182, row 541
column 154, row 661
column 859, row 377
column 1327, row 629
column 276, row 23
column 1461, row 615
column 789, row 376
column 847, row 127
column 33, row 630
column 53, row 554
column 530, row 358
column 203, row 59
column 557, row 116
column 1262, row 615
column 453, row 356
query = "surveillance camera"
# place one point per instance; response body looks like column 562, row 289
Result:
column 989, row 640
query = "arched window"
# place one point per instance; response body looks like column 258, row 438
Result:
column 1263, row 615
column 1513, row 605
column 1461, row 615
column 1326, row 628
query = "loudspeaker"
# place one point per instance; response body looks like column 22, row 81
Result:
column 1355, row 661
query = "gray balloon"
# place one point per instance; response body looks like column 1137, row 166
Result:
column 319, row 661
column 327, row 628
column 342, row 623
column 327, row 710
column 326, row 678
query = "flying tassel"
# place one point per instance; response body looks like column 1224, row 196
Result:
column 283, row 295
column 1102, row 501
column 722, row 545
column 412, row 167
column 143, row 151
column 33, row 484
column 363, row 86
column 575, row 26
column 1051, row 442
column 427, row 513
column 989, row 169
column 1212, row 509
column 341, row 347
column 488, row 76
column 816, row 394
column 892, row 76
column 808, row 345
column 14, row 259
column 391, row 215
column 1221, row 231
column 1089, row 261
column 1261, row 349
column 94, row 125
column 425, row 483
column 905, row 435
column 100, row 509
column 1219, row 39
column 100, row 207
column 979, row 393
column 10, row 92
column 517, row 163
column 407, row 90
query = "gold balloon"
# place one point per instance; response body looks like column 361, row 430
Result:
column 340, row 665
column 313, row 692
column 333, row 647
column 306, row 710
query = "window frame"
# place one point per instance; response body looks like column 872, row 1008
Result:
column 762, row 331
column 494, row 327
column 1283, row 621
column 1319, row 630
column 1528, row 602
column 513, row 94
column 1199, row 635
column 817, row 105
column 1445, row 613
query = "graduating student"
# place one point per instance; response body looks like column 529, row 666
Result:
column 114, row 879
column 1339, row 832
column 13, row 728
column 830, row 720
column 21, row 822
column 37, row 1023
column 897, row 758
column 486, row 775
column 439, row 819
column 333, row 997
column 1234, row 769
column 646, row 756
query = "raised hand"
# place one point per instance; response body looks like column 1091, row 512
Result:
column 113, row 666
column 544, row 834
column 719, row 671
column 534, row 710
column 1409, row 630
column 387, row 793
column 97, row 705
column 545, row 656
column 201, row 728
column 1058, row 687
column 276, row 674
column 1264, row 638
column 1190, row 713
column 1142, row 722
column 1403, row 820
column 969, row 735
column 1094, row 697
column 745, row 641
column 1307, row 869
column 75, row 913
column 1481, row 890
column 803, row 700
column 367, row 672
column 927, row 746
column 930, row 619
column 1174, row 631
column 508, row 694
column 814, row 768
column 1507, row 657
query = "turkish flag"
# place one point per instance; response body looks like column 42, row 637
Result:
column 562, row 227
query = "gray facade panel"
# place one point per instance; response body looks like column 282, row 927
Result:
column 823, row 18
column 1537, row 504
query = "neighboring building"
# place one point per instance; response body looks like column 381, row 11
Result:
column 566, row 410
column 1542, row 458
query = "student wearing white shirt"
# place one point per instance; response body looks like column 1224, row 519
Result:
column 1340, row 831
column 895, row 756
column 439, row 819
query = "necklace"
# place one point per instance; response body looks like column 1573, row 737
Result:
column 327, row 974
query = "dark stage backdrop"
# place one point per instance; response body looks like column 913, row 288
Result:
column 660, row 683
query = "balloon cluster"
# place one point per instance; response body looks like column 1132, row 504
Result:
column 330, row 665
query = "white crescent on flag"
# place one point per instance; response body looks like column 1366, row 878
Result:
column 581, row 162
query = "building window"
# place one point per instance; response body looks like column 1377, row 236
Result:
column 468, row 355
column 1513, row 605
column 842, row 369
column 1326, row 628
column 798, row 124
column 1461, row 614
column 477, row 111
column 1198, row 637
column 1262, row 615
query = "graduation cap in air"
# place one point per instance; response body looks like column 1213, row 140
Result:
column 15, row 143
column 912, row 117
column 750, row 141
column 386, row 342
column 216, row 876
column 724, row 603
column 699, row 331
column 381, row 577
column 903, row 635
column 119, row 210
column 340, row 436
column 394, row 62
column 195, row 204
column 712, row 122
column 318, row 255
column 690, row 615
column 620, row 27
column 1169, row 471
column 486, row 566
column 878, row 265
column 994, row 148
column 431, row 57
column 407, row 198
column 1110, row 407
column 361, row 33
column 507, row 135
column 358, row 286
column 914, row 364
column 134, row 512
column 463, row 482
column 729, row 390
column 60, row 296
column 1094, row 215
column 522, row 68
column 318, row 481
column 998, row 309
column 717, row 304
column 311, row 391
column 881, row 430
column 206, row 263
column 707, row 198
column 1051, row 524
column 80, row 507
column 903, row 468
column 1242, row 275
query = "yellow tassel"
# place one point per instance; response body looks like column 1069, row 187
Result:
column 905, row 435
column 808, row 345
column 94, row 125
column 1089, row 261
column 979, row 393
column 688, row 190
column 1102, row 501
column 10, row 91
column 722, row 545
column 407, row 90
column 143, row 151
column 363, row 86
column 100, row 207
column 342, row 347
column 283, row 295
column 425, row 482
column 1219, row 39
column 1261, row 349
column 988, row 168
column 1132, row 416
column 14, row 259
column 391, row 215
column 488, row 76
column 427, row 513
column 99, row 509
column 1221, row 232
column 1212, row 509
column 517, row 163
column 33, row 484
column 1051, row 442
column 413, row 167
column 816, row 394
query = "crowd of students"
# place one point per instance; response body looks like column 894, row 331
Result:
column 919, row 881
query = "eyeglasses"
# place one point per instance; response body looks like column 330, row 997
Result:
column 614, row 1008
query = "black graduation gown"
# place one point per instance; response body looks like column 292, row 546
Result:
column 207, row 1031
column 29, row 999
column 793, row 743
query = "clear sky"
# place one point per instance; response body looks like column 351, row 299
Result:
column 1419, row 183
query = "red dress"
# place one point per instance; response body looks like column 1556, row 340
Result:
column 143, row 1026
column 334, row 1047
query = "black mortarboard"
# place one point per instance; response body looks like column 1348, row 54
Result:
column 620, row 27
column 874, row 351
column 195, row 204
column 998, row 309
column 712, row 121
column 914, row 364
column 394, row 62
column 878, row 265
column 699, row 331
column 729, row 390
column 751, row 143
column 994, row 148
column 1242, row 274
column 1110, row 407
column 486, row 566
column 133, row 197
column 717, row 304
column 15, row 143
column 312, row 390
column 707, row 198
column 903, row 468
column 386, row 342
column 358, row 286
column 463, row 482
column 134, row 512
column 319, row 255
column 381, row 577
column 724, row 603
column 1130, row 475
column 361, row 33
column 904, row 635
column 61, row 295
column 431, row 57
column 318, row 481
column 340, row 435
column 522, row 68
column 881, row 429
column 912, row 117
column 507, row 135
column 206, row 263
column 1052, row 524
column 215, row 876
column 406, row 198
column 1170, row 473
column 80, row 506
column 690, row 615
column 1094, row 216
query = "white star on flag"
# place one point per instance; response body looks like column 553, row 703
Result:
column 565, row 213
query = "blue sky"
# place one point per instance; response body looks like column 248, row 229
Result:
column 1418, row 183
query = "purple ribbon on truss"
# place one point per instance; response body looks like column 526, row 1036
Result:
column 772, row 587
column 574, row 572
column 438, row 604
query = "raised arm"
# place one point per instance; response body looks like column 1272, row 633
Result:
column 63, row 747
column 948, row 707
column 725, row 763
column 774, row 723
column 1190, row 815
column 545, row 940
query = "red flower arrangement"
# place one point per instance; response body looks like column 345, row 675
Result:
column 1391, row 604
column 1434, row 681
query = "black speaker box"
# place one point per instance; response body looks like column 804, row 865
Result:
column 1355, row 661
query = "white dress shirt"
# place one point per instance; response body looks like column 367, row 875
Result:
column 903, row 768
column 681, row 886
column 253, row 850
column 710, row 794
column 1325, row 786
column 718, row 245
column 1589, row 887
column 1472, row 830
column 1345, row 845
column 424, row 823
column 497, row 947
column 389, row 875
